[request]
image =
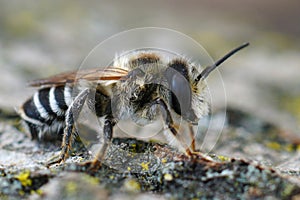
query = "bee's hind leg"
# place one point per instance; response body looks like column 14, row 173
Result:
column 69, row 131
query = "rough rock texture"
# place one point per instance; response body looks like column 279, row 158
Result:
column 139, row 169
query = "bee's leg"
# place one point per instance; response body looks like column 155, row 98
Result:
column 193, row 146
column 69, row 131
column 192, row 135
column 169, row 122
column 108, row 134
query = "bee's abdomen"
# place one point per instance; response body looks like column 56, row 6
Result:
column 45, row 111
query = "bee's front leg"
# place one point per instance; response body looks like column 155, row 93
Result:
column 194, row 153
column 192, row 135
column 170, row 123
column 190, row 151
column 69, row 131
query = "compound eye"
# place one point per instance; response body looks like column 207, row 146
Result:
column 182, row 97
column 181, row 89
column 177, row 78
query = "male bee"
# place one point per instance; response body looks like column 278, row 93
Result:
column 137, row 87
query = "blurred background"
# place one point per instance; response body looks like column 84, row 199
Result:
column 38, row 39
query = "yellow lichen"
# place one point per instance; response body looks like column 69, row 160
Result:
column 71, row 187
column 223, row 158
column 154, row 140
column 92, row 180
column 145, row 166
column 39, row 192
column 289, row 148
column 24, row 178
column 164, row 160
column 131, row 154
column 274, row 145
column 132, row 185
column 168, row 177
column 133, row 148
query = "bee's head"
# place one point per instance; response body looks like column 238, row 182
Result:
column 178, row 79
column 187, row 94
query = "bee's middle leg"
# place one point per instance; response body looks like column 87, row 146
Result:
column 69, row 131
column 108, row 134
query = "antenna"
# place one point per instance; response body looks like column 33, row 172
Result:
column 209, row 69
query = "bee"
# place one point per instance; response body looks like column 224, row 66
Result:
column 138, row 87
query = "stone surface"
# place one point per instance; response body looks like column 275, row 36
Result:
column 135, row 168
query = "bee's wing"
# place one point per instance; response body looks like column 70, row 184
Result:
column 94, row 74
